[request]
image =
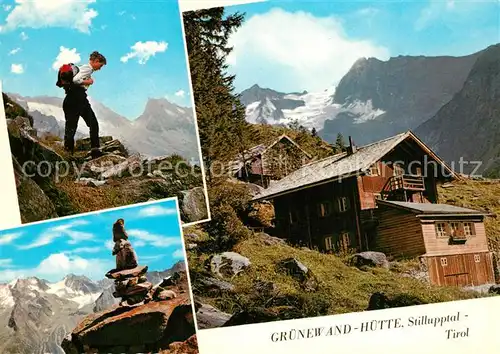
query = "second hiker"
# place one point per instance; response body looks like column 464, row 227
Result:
column 76, row 103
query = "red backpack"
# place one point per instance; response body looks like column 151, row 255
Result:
column 65, row 75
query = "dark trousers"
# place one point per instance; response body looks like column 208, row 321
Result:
column 77, row 105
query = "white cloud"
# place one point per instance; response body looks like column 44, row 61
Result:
column 121, row 13
column 65, row 230
column 17, row 68
column 153, row 239
column 178, row 254
column 296, row 50
column 65, row 56
column 5, row 263
column 84, row 250
column 14, row 51
column 23, row 36
column 143, row 51
column 156, row 210
column 74, row 14
column 7, row 7
column 449, row 11
column 180, row 93
column 8, row 238
column 58, row 265
column 109, row 244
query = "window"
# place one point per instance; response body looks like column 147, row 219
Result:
column 441, row 229
column 454, row 228
column 444, row 261
column 324, row 209
column 374, row 171
column 342, row 204
column 468, row 229
column 477, row 258
column 328, row 243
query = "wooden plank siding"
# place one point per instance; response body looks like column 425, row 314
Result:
column 298, row 216
column 440, row 245
column 399, row 233
column 469, row 269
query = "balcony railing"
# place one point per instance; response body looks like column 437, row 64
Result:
column 404, row 182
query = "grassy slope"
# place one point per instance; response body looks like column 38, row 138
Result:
column 346, row 288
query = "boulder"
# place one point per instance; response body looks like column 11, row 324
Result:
column 103, row 163
column 127, row 273
column 135, row 289
column 194, row 204
column 301, row 273
column 251, row 316
column 130, row 166
column 34, row 204
column 494, row 289
column 370, row 258
column 86, row 181
column 154, row 325
column 228, row 264
column 212, row 286
column 164, row 295
column 266, row 288
column 189, row 346
column 380, row 301
column 208, row 316
column 271, row 240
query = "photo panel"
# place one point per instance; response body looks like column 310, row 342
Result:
column 113, row 281
column 340, row 177
column 98, row 109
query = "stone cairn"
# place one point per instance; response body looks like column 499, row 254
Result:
column 131, row 284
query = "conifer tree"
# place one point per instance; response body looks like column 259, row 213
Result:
column 340, row 143
column 221, row 120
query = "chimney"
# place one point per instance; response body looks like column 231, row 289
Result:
column 351, row 149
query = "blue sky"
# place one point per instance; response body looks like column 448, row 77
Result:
column 149, row 33
column 82, row 245
column 291, row 45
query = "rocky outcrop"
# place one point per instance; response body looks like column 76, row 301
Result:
column 227, row 264
column 370, row 259
column 208, row 316
column 380, row 301
column 194, row 204
column 153, row 326
column 301, row 273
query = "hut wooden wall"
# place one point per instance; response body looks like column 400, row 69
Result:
column 440, row 245
column 399, row 233
column 467, row 269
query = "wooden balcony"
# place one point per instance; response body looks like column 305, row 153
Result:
column 403, row 183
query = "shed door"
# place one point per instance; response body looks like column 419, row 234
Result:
column 455, row 271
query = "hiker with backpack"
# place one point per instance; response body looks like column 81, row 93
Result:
column 75, row 80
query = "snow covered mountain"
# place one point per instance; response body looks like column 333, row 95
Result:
column 36, row 314
column 266, row 106
column 375, row 99
column 162, row 129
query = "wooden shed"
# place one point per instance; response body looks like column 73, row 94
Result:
column 451, row 240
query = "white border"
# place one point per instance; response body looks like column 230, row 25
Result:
column 202, row 165
column 10, row 215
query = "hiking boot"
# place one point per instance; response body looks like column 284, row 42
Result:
column 95, row 153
